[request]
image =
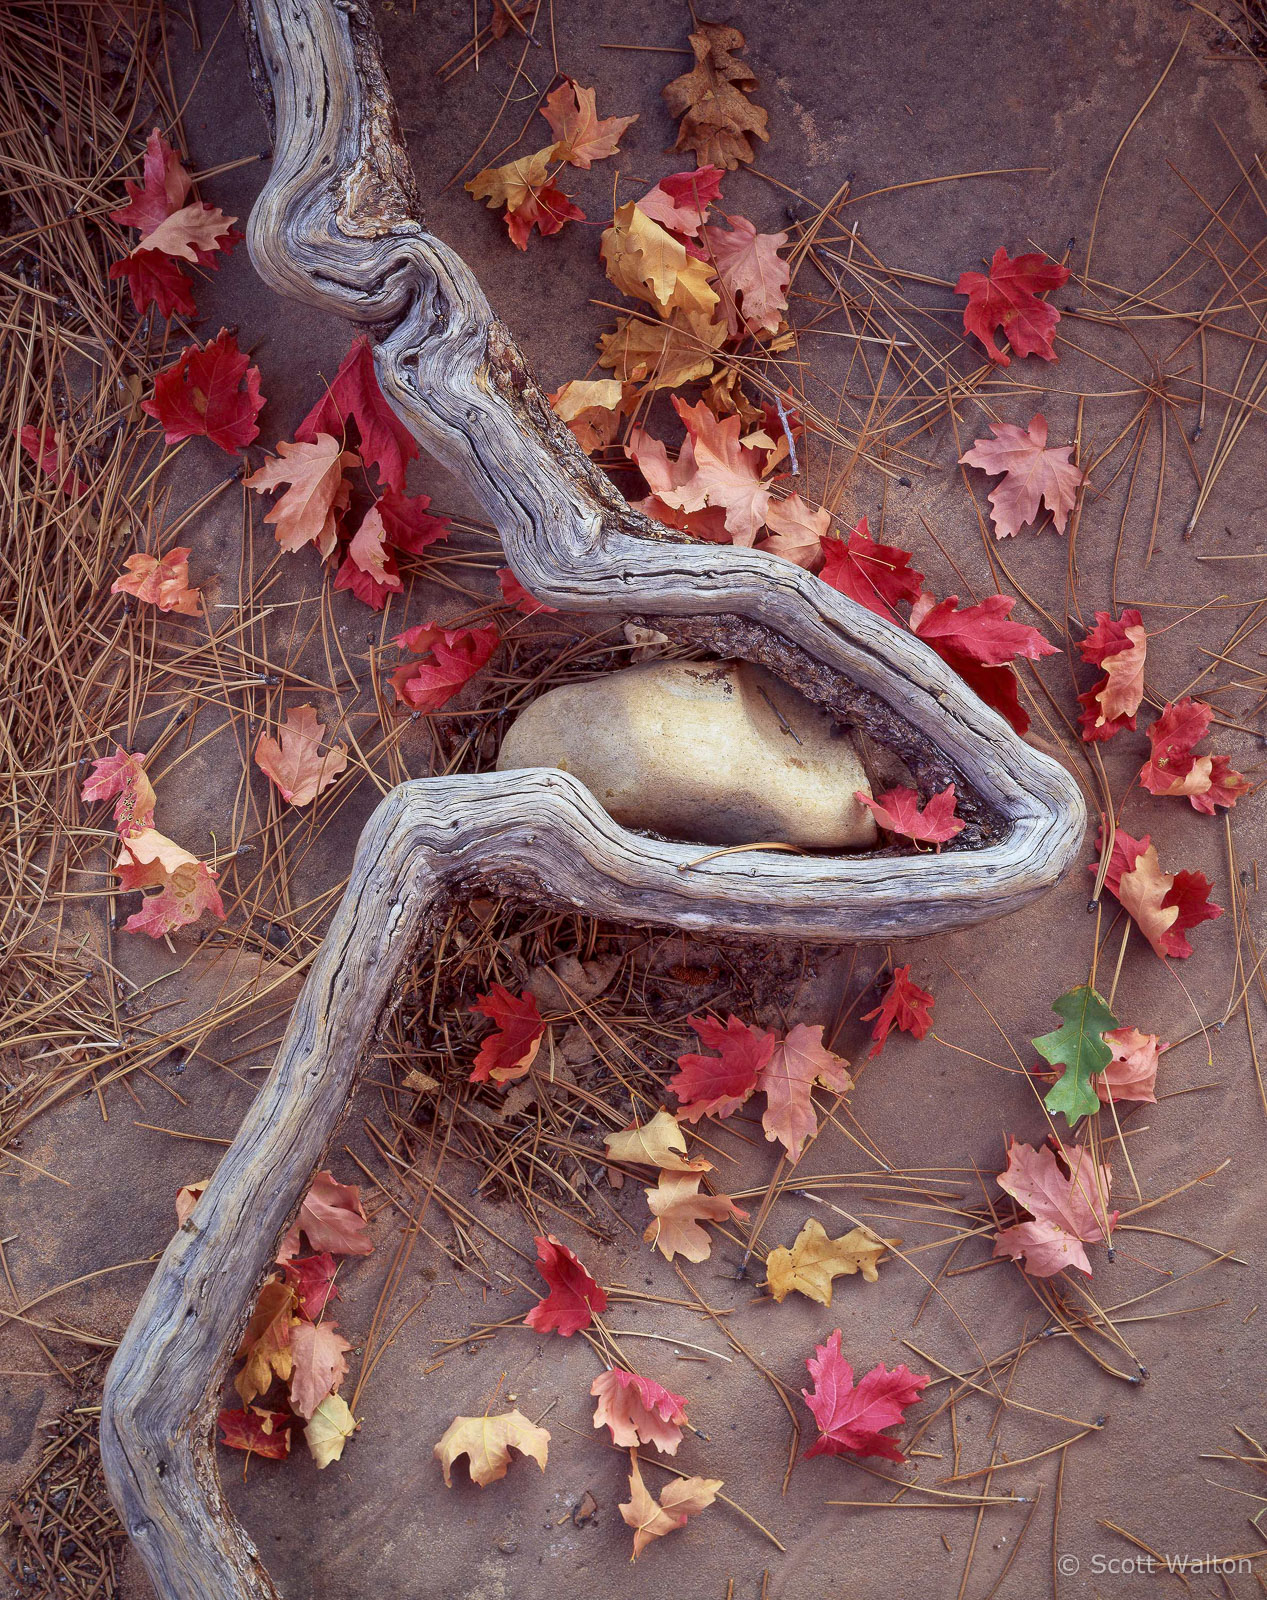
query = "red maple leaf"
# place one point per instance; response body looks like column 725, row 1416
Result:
column 164, row 190
column 188, row 892
column 898, row 811
column 407, row 524
column 123, row 775
column 514, row 594
column 574, row 1299
column 354, row 396
column 1174, row 768
column 457, row 654
column 158, row 280
column 1007, row 297
column 213, row 392
column 875, row 575
column 43, row 447
column 849, row 1415
column 1186, row 893
column 508, row 1052
column 680, row 202
column 312, row 1279
column 717, row 1085
column 1120, row 646
column 978, row 641
column 905, row 1006
column 368, row 589
column 263, row 1433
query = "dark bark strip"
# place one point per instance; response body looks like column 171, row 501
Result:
column 339, row 227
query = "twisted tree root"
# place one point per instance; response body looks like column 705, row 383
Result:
column 339, row 227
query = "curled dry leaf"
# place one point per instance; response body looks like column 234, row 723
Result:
column 712, row 100
column 1120, row 646
column 647, row 263
column 265, row 1349
column 1174, row 768
column 898, row 811
column 121, row 778
column 332, row 1425
column 905, row 1006
column 662, row 355
column 815, row 1261
column 161, row 581
column 330, row 1218
column 638, row 1410
column 593, row 408
column 677, row 1210
column 651, row 1518
column 261, row 1432
column 1067, row 1200
column 1006, row 297
column 1032, row 475
column 575, row 1298
column 318, row 491
column 487, row 1443
column 212, row 392
column 293, row 762
column 1164, row 904
column 581, row 136
column 508, row 1052
column 658, row 1143
column 850, row 1416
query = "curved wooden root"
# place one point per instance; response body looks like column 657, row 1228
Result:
column 338, row 226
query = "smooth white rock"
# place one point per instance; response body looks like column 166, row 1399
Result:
column 721, row 752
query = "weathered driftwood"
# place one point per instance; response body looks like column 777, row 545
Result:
column 339, row 227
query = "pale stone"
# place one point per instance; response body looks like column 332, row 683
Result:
column 720, row 752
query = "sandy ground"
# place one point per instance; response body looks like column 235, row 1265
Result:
column 896, row 94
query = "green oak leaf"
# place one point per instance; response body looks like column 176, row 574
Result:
column 1078, row 1046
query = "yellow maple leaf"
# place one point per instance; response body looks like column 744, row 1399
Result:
column 646, row 262
column 651, row 1518
column 814, row 1260
column 663, row 355
column 658, row 1143
column 332, row 1425
column 487, row 1443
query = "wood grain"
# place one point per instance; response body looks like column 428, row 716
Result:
column 339, row 227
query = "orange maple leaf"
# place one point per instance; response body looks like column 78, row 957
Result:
column 294, row 765
column 161, row 581
column 677, row 1209
column 800, row 1061
column 651, row 1518
column 581, row 135
column 319, row 490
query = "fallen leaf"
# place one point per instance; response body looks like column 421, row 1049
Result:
column 712, row 100
column 638, row 1410
column 331, row 1427
column 188, row 891
column 293, row 764
column 905, row 1006
column 265, row 1348
column 574, row 1299
column 319, row 490
column 161, row 581
column 165, row 188
column 1164, row 904
column 192, row 233
column 651, row 1518
column 753, row 276
column 592, row 409
column 716, row 1085
column 456, row 655
column 898, row 811
column 1079, row 1046
column 1132, row 1072
column 45, row 449
column 527, row 190
column 815, row 1261
column 680, row 202
column 122, row 778
column 156, row 280
column 678, row 1208
column 658, row 1143
column 1007, row 297
column 187, row 1197
column 487, row 1443
column 1174, row 768
column 311, row 1277
column 875, row 575
column 353, row 395
column 1032, row 474
column 978, row 641
column 319, row 1367
column 714, row 470
column 1120, row 646
column 263, row 1433
column 408, row 526
column 662, row 355
column 799, row 1061
column 514, row 594
column 850, row 1416
column 331, row 1219
column 797, row 531
column 646, row 262
column 148, row 857
column 1067, row 1200
column 509, row 1051
column 580, row 135
column 210, row 392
